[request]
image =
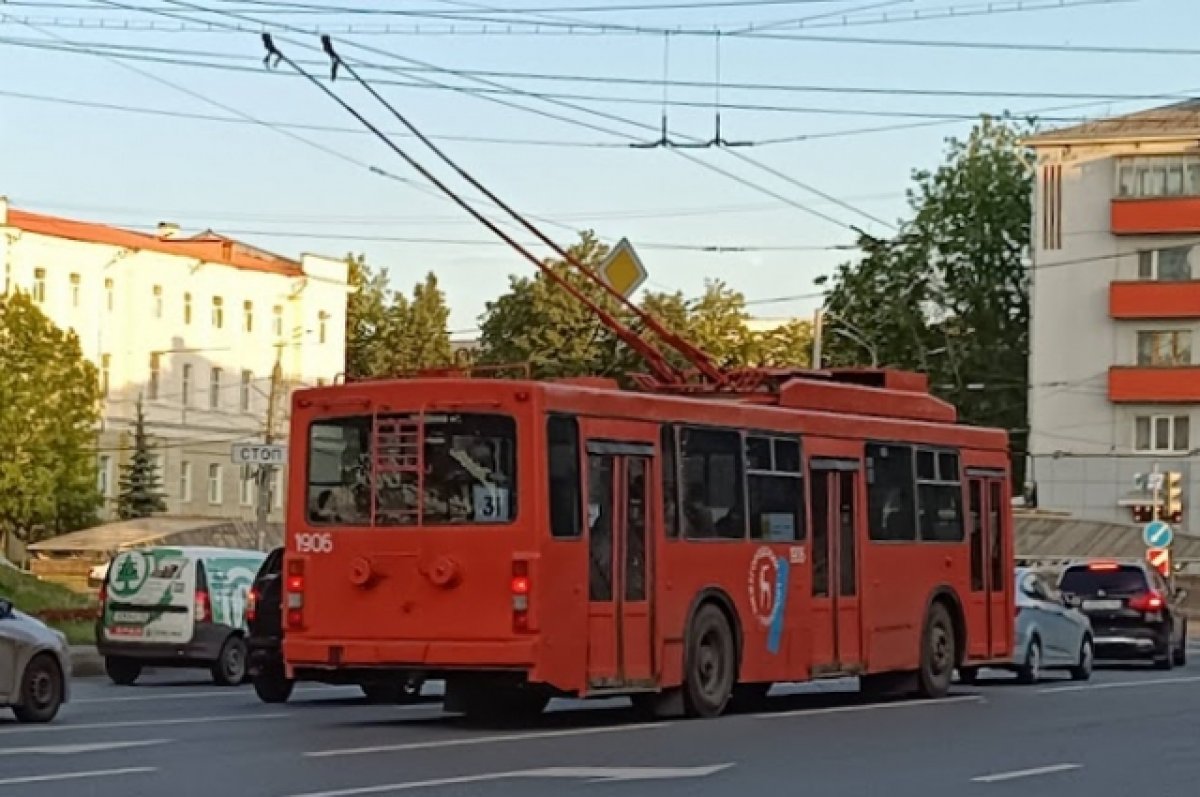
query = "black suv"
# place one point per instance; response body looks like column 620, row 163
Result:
column 1135, row 613
column 264, row 642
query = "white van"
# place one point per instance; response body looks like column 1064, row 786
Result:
column 176, row 607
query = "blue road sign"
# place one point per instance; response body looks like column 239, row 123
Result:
column 1157, row 534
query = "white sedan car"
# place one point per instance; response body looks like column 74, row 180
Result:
column 35, row 666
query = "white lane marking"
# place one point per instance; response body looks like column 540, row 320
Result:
column 97, row 726
column 475, row 740
column 1000, row 777
column 590, row 774
column 96, row 773
column 76, row 749
column 805, row 712
column 1120, row 685
column 214, row 694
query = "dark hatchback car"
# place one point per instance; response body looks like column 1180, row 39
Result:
column 1135, row 613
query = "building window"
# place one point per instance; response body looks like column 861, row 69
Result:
column 214, row 484
column 322, row 326
column 185, row 482
column 218, row 313
column 776, row 492
column 108, row 294
column 155, row 375
column 158, row 301
column 104, row 475
column 39, row 285
column 1165, row 265
column 277, row 321
column 186, row 392
column 891, row 508
column 75, row 282
column 105, row 374
column 939, row 496
column 246, row 487
column 214, row 389
column 1161, row 433
column 713, row 500
column 187, row 308
column 1164, row 348
column 247, row 380
column 1158, row 176
column 248, row 316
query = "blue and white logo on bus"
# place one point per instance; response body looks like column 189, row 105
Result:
column 767, row 584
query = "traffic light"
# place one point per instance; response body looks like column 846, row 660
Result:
column 1172, row 505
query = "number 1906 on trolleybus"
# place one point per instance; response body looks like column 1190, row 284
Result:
column 531, row 539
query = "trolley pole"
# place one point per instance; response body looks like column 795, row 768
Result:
column 267, row 471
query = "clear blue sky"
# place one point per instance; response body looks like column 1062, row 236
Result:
column 136, row 169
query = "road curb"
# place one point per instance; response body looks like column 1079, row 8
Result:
column 86, row 661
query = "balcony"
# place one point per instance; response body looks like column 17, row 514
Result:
column 1156, row 215
column 1154, row 299
column 1150, row 385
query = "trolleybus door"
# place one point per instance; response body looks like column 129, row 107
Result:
column 620, row 588
column 990, row 579
column 836, row 603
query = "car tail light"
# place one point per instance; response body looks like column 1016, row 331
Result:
column 520, row 588
column 1147, row 602
column 203, row 606
column 295, row 593
column 252, row 605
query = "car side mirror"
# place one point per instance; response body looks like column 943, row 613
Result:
column 6, row 609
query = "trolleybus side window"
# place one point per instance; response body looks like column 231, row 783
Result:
column 566, row 506
column 890, row 500
column 939, row 496
column 670, row 480
column 712, row 495
column 776, row 488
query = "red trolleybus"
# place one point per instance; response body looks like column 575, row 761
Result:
column 525, row 540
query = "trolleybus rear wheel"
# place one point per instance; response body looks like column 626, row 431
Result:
column 710, row 666
column 938, row 653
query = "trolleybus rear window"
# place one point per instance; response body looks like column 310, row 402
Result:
column 407, row 470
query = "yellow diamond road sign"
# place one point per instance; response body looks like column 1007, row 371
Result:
column 623, row 269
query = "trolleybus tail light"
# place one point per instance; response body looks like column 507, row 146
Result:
column 295, row 593
column 520, row 588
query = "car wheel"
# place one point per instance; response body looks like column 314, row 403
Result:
column 122, row 672
column 709, row 669
column 41, row 690
column 230, row 667
column 272, row 685
column 968, row 675
column 1030, row 670
column 939, row 653
column 1087, row 661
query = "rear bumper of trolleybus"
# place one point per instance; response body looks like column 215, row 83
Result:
column 311, row 657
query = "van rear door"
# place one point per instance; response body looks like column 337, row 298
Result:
column 151, row 597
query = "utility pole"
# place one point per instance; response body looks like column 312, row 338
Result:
column 818, row 330
column 266, row 471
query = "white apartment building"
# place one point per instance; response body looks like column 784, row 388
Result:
column 195, row 326
column 1115, row 363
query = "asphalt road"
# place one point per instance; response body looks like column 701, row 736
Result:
column 1128, row 731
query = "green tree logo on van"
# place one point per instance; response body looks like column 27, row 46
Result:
column 132, row 569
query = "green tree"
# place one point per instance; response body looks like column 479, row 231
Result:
column 788, row 345
column 949, row 295
column 49, row 409
column 141, row 490
column 366, row 320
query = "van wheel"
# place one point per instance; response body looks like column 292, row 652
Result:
column 122, row 672
column 41, row 690
column 938, row 654
column 272, row 686
column 230, row 667
column 710, row 663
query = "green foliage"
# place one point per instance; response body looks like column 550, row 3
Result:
column 141, row 490
column 389, row 333
column 32, row 595
column 949, row 295
column 49, row 409
column 539, row 323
